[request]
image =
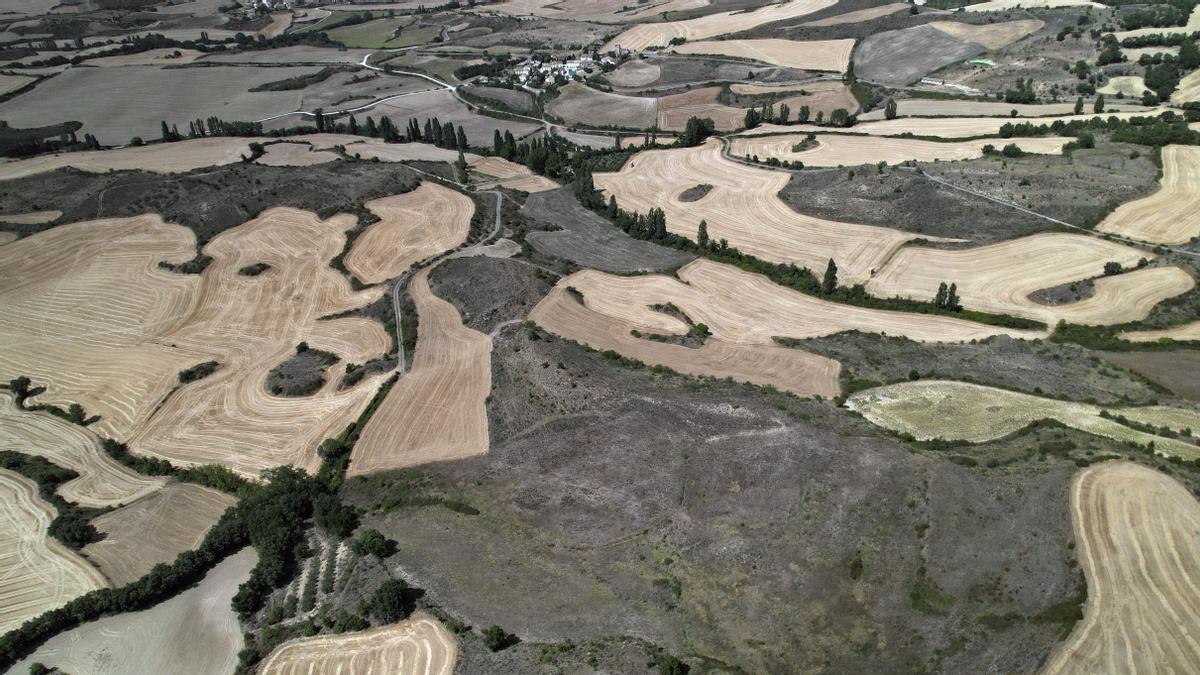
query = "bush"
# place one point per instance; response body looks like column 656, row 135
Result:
column 371, row 542
column 333, row 517
column 387, row 604
column 497, row 639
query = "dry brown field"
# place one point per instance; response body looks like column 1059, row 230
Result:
column 828, row 55
column 950, row 410
column 1137, row 534
column 744, row 208
column 102, row 482
column 1188, row 331
column 251, row 324
column 635, row 73
column 417, row 646
column 787, row 369
column 991, row 36
column 295, row 154
column 859, row 15
column 605, row 11
column 1171, row 215
column 745, row 308
column 7, row 237
column 839, row 150
column 1005, row 5
column 674, row 110
column 510, row 175
column 159, row 158
column 580, row 104
column 943, row 127
column 1000, row 277
column 436, row 411
column 31, row 218
column 37, row 573
column 820, row 97
column 11, row 83
column 923, row 107
column 164, row 56
column 646, row 35
column 193, row 633
column 411, row 227
column 153, row 530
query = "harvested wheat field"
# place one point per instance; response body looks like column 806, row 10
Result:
column 102, row 482
column 7, row 237
column 858, row 15
column 411, row 227
column 1127, row 86
column 828, row 55
column 37, row 573
column 1188, row 90
column 740, row 307
column 11, row 83
column 579, row 104
column 499, row 172
column 295, row 154
column 786, row 369
column 1000, row 277
column 1005, row 5
column 251, row 324
column 942, row 127
column 436, row 411
column 163, row 56
column 675, row 110
column 1171, row 215
column 404, row 152
column 990, row 36
column 417, row 646
column 949, row 410
column 1138, row 531
column 605, row 11
column 744, row 208
column 160, row 158
column 659, row 34
column 30, row 218
column 193, row 633
column 820, row 97
column 923, row 107
column 1188, row 331
column 154, row 530
column 841, row 150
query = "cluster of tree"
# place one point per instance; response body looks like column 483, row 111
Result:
column 1012, row 150
column 71, row 526
column 756, row 116
column 1166, row 129
column 210, row 475
column 1158, row 40
column 1021, row 93
column 696, row 131
column 1163, row 71
column 1110, row 51
column 947, row 297
column 1159, row 15
column 16, row 142
column 492, row 68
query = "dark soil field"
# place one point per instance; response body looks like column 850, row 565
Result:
column 588, row 240
column 1178, row 371
column 512, row 99
column 730, row 526
column 904, row 56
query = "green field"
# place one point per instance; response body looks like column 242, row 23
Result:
column 382, row 34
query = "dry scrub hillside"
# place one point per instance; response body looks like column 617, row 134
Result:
column 930, row 409
column 435, row 412
column 743, row 207
column 1171, row 215
column 250, row 324
column 790, row 370
column 999, row 278
column 153, row 530
column 420, row 646
column 1138, row 531
column 659, row 34
column 193, row 633
column 841, row 150
column 827, row 55
column 37, row 573
column 411, row 227
column 102, row 482
column 747, row 308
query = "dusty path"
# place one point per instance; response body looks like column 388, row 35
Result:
column 418, row 646
column 1138, row 534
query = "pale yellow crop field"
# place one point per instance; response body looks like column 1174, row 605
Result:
column 842, row 150
column 659, row 34
column 828, row 55
column 1171, row 215
column 411, row 227
column 417, row 646
column 1187, row 331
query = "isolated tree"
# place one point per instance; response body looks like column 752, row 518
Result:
column 840, row 117
column 784, row 113
column 939, row 300
column 803, row 114
column 496, row 638
column 1112, row 268
column 1098, row 106
column 20, row 388
column 460, row 166
column 889, row 110
column 353, row 126
column 952, row 300
column 1079, row 106
column 752, row 118
column 702, row 234
column 497, row 142
column 387, row 602
column 829, row 283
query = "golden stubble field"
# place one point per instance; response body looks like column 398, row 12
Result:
column 827, row 55
column 1000, row 277
column 37, row 573
column 436, row 411
column 1138, row 531
column 411, row 227
column 646, row 35
column 744, row 208
column 953, row 410
column 843, row 150
column 418, row 646
column 92, row 317
column 1171, row 215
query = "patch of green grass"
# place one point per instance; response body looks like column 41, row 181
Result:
column 924, row 596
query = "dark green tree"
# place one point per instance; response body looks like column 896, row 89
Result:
column 702, row 234
column 1098, row 106
column 939, row 299
column 1079, row 106
column 889, row 109
column 829, row 282
column 387, row 604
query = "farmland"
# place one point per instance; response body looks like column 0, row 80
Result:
column 835, row 150
column 418, row 645
column 829, row 55
column 1169, row 216
column 419, row 224
column 659, row 34
column 1131, row 523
